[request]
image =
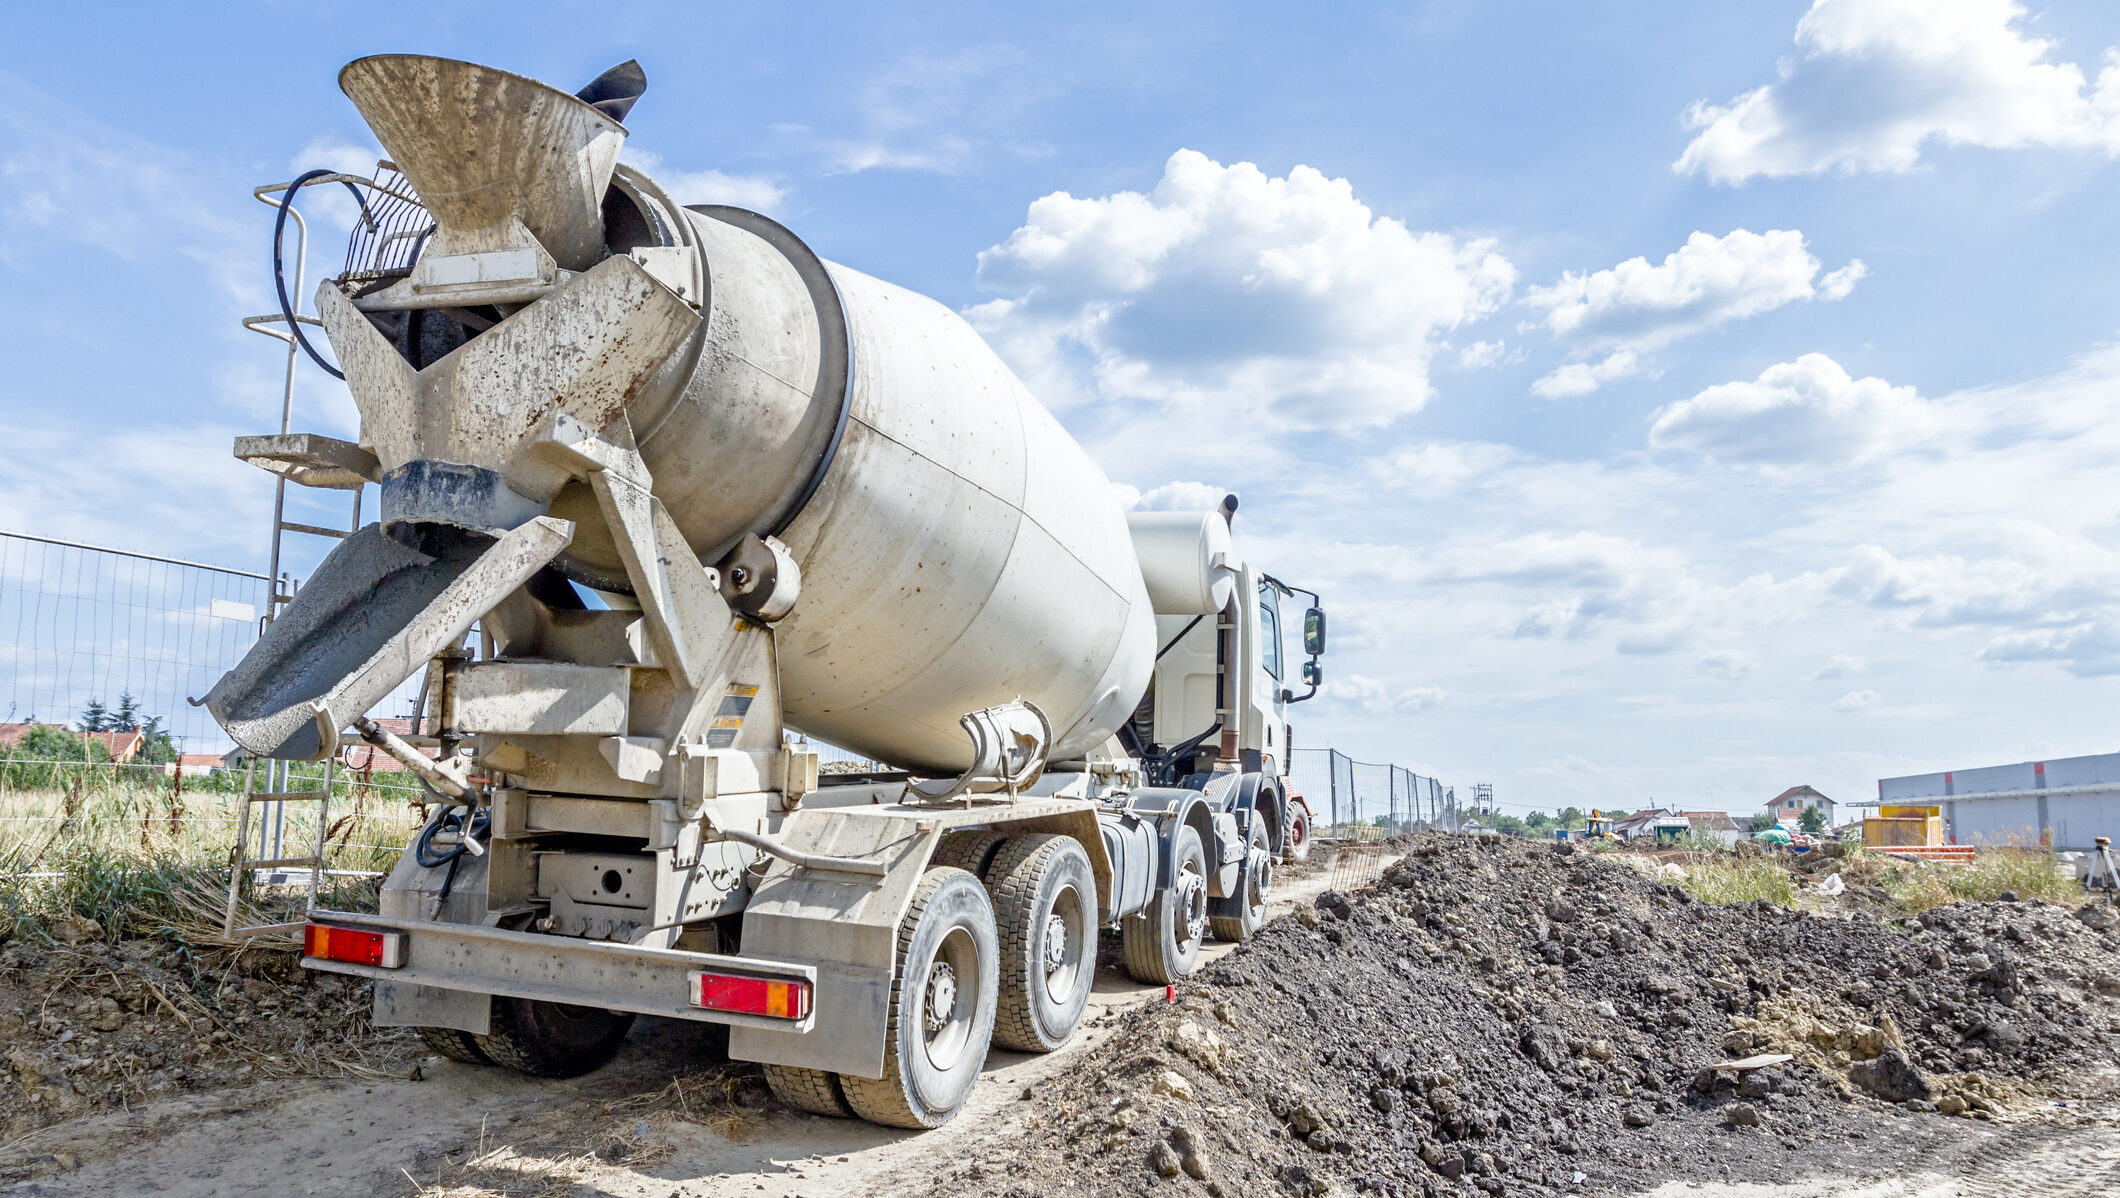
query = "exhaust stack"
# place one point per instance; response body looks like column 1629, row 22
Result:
column 502, row 162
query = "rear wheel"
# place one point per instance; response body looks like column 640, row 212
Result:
column 1236, row 917
column 1163, row 943
column 971, row 851
column 549, row 1039
column 941, row 1014
column 1045, row 900
column 1295, row 845
column 456, row 1045
column 814, row 1090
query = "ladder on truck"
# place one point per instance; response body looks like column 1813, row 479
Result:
column 309, row 460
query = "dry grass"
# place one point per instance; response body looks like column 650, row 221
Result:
column 1729, row 878
column 2028, row 873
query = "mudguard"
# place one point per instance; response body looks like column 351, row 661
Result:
column 1172, row 807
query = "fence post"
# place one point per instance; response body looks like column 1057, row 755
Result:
column 1332, row 775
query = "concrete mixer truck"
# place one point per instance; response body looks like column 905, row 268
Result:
column 664, row 494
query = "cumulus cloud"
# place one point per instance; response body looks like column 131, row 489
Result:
column 755, row 192
column 1581, row 378
column 1172, row 497
column 2088, row 650
column 1873, row 82
column 1636, row 308
column 1837, row 666
column 1375, row 697
column 1861, row 700
column 1227, row 290
column 1727, row 664
column 1481, row 354
column 1806, row 412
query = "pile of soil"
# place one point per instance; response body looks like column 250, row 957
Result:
column 1507, row 1018
column 89, row 1025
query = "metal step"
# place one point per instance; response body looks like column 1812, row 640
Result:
column 289, row 796
column 314, row 530
column 284, row 863
column 311, row 460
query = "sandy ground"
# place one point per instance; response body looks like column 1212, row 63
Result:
column 467, row 1130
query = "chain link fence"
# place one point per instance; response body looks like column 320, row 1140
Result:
column 1364, row 800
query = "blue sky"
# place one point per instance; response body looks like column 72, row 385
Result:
column 1673, row 401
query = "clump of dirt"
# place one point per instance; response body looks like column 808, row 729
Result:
column 1501, row 1018
column 92, row 1026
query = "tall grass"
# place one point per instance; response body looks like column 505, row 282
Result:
column 2028, row 873
column 1724, row 877
column 144, row 856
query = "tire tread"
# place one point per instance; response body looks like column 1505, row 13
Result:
column 815, row 1091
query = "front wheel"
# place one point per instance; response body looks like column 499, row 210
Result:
column 1295, row 845
column 1236, row 917
column 1162, row 943
column 942, row 1007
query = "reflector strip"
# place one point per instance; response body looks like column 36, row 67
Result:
column 751, row 996
column 356, row 946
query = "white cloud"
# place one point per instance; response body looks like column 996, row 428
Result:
column 1481, row 354
column 1636, row 308
column 1581, row 378
column 1873, row 82
column 1861, row 700
column 1727, row 664
column 1178, row 497
column 1809, row 412
column 1230, row 292
column 2088, row 650
column 1838, row 666
column 755, row 192
column 1375, row 697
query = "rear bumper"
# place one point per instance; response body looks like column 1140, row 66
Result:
column 584, row 973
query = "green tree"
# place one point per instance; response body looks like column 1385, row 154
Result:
column 127, row 716
column 1762, row 821
column 1508, row 825
column 1538, row 821
column 1569, row 817
column 95, row 717
column 1813, row 821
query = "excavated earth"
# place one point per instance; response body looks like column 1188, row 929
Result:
column 1496, row 1017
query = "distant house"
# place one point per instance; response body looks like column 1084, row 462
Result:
column 196, row 765
column 1717, row 825
column 122, row 746
column 1788, row 806
column 1641, row 824
column 1473, row 827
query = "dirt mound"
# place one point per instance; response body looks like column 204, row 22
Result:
column 93, row 1026
column 1511, row 1018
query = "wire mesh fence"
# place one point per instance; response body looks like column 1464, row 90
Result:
column 80, row 624
column 1362, row 800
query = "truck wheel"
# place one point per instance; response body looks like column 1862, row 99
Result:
column 1295, row 846
column 813, row 1090
column 942, row 1006
column 1045, row 900
column 1163, row 943
column 1235, row 918
column 549, row 1039
column 973, row 851
column 456, row 1045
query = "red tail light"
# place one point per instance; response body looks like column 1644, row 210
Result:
column 356, row 946
column 778, row 999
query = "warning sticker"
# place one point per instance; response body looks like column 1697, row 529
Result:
column 728, row 718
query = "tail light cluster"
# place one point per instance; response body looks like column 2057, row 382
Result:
column 738, row 994
column 355, row 946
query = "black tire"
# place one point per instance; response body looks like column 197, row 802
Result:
column 1295, row 842
column 813, row 1090
column 1162, row 943
column 1236, row 917
column 1045, row 910
column 549, row 1039
column 971, row 851
column 456, row 1045
column 948, row 963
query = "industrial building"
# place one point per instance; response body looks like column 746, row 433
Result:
column 2063, row 803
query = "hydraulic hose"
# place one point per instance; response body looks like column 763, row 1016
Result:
column 279, row 268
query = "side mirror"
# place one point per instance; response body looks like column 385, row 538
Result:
column 1314, row 632
column 1313, row 676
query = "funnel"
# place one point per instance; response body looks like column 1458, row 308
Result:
column 485, row 148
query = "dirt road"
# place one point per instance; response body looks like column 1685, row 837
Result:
column 627, row 1130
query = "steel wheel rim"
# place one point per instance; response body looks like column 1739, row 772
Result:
column 1259, row 887
column 952, row 976
column 1192, row 892
column 1063, row 969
